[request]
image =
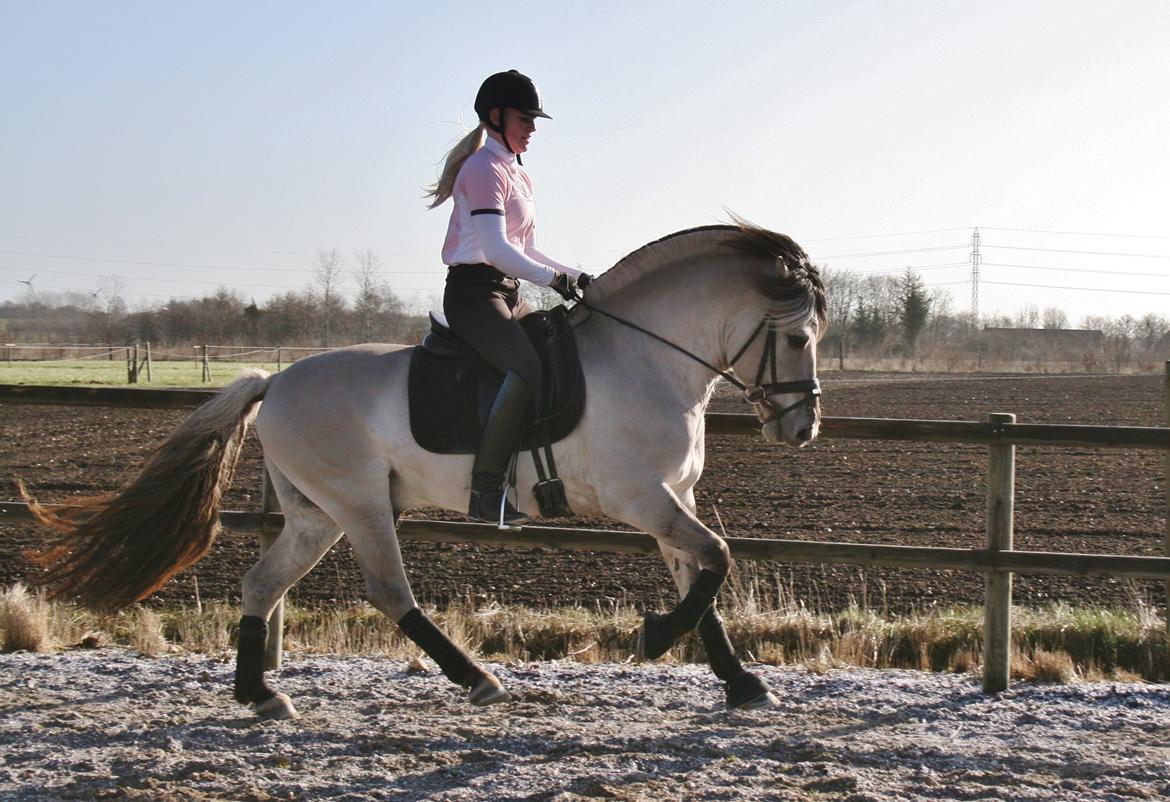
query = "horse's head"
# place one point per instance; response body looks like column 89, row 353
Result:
column 779, row 358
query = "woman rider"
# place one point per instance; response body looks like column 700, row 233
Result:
column 490, row 245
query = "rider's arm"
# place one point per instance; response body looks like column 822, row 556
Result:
column 545, row 259
column 501, row 254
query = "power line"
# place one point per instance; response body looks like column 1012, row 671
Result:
column 1083, row 289
column 176, row 294
column 892, row 234
column 1089, row 253
column 908, row 267
column 1077, row 233
column 186, row 265
column 157, row 246
column 1080, row 270
column 164, row 280
column 882, row 253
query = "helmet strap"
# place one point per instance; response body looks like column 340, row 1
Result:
column 499, row 129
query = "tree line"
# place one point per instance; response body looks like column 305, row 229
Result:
column 881, row 316
column 872, row 317
column 348, row 301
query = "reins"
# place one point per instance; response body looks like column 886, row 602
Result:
column 755, row 393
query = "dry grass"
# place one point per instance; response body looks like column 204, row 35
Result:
column 1055, row 644
column 25, row 621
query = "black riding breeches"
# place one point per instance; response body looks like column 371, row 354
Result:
column 483, row 306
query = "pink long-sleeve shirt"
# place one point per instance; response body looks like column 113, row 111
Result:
column 492, row 188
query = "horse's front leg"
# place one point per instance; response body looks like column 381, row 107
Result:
column 743, row 688
column 661, row 514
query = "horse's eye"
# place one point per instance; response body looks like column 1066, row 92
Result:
column 797, row 340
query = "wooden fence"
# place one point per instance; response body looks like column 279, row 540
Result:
column 998, row 560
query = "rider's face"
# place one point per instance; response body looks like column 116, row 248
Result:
column 518, row 129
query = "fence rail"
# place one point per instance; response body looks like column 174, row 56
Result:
column 742, row 548
column 934, row 431
column 998, row 560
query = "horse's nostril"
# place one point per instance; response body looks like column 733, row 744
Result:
column 805, row 434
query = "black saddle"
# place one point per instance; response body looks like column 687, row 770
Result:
column 452, row 388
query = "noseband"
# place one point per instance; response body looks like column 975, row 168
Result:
column 756, row 393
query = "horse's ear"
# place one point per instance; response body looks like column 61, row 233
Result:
column 782, row 267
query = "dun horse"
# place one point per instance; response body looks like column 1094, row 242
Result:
column 654, row 334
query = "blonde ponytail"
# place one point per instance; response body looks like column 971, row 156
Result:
column 454, row 159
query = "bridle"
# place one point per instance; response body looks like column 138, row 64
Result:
column 755, row 393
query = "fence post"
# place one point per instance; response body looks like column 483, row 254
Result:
column 129, row 367
column 1166, row 489
column 997, row 604
column 274, row 650
column 149, row 378
column 279, row 359
column 206, row 365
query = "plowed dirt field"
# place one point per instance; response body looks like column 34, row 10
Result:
column 1068, row 499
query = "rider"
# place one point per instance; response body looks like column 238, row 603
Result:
column 490, row 245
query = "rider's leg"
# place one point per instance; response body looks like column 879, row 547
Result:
column 490, row 328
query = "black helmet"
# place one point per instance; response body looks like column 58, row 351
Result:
column 508, row 90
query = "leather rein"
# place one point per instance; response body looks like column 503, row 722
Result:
column 755, row 393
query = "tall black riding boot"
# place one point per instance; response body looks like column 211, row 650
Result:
column 489, row 501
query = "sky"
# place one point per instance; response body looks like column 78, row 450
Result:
column 184, row 146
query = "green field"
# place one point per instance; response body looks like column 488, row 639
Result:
column 102, row 372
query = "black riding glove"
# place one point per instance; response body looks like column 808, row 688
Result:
column 565, row 285
column 583, row 281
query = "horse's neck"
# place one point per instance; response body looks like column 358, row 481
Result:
column 688, row 307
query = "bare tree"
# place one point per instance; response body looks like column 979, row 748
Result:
column 110, row 308
column 843, row 290
column 328, row 276
column 1028, row 317
column 1055, row 318
column 372, row 291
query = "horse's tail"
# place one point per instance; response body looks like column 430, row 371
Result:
column 115, row 549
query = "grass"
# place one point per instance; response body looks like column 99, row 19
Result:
column 1058, row 643
column 102, row 372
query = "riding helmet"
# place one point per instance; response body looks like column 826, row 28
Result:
column 508, row 90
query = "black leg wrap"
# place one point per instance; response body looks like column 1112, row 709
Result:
column 249, row 683
column 659, row 632
column 720, row 654
column 744, row 688
column 453, row 661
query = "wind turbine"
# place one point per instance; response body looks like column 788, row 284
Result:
column 32, row 291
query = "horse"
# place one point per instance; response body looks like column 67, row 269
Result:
column 654, row 335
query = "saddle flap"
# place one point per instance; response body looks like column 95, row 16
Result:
column 451, row 388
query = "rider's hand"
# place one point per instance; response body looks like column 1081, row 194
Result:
column 565, row 285
column 583, row 281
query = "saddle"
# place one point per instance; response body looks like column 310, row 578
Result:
column 451, row 388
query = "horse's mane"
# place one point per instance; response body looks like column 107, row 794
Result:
column 801, row 282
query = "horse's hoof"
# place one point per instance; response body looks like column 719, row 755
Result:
column 655, row 638
column 278, row 708
column 488, row 691
column 764, row 701
column 749, row 692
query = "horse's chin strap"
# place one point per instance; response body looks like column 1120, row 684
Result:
column 756, row 393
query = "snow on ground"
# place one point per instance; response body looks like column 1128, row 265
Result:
column 110, row 724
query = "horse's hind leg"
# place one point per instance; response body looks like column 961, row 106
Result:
column 365, row 513
column 743, row 688
column 307, row 534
